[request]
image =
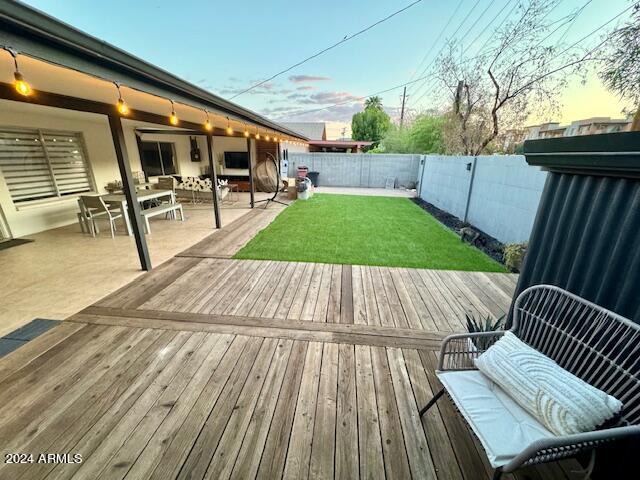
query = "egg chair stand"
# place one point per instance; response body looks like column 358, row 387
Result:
column 272, row 199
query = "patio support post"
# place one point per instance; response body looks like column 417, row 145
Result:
column 214, row 182
column 133, row 207
column 251, row 185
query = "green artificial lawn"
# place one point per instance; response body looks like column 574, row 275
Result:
column 364, row 230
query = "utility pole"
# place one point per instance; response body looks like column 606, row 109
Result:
column 404, row 97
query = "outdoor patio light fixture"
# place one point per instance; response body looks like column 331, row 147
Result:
column 246, row 131
column 229, row 129
column 257, row 134
column 122, row 107
column 20, row 84
column 207, row 125
column 173, row 118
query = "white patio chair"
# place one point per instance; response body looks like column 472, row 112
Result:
column 96, row 209
column 594, row 344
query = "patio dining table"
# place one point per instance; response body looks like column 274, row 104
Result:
column 142, row 196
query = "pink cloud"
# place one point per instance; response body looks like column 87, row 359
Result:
column 308, row 78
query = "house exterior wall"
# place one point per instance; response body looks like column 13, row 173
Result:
column 32, row 217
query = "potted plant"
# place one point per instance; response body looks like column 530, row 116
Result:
column 486, row 324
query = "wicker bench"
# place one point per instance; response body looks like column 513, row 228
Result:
column 595, row 344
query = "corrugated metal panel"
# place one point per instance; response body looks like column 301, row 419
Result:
column 586, row 239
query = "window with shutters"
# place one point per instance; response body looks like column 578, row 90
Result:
column 41, row 164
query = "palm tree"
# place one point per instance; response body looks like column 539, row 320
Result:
column 373, row 102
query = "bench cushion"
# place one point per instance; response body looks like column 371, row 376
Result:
column 564, row 403
column 503, row 427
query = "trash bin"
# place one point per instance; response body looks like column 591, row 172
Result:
column 313, row 176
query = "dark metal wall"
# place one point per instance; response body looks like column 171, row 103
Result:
column 586, row 239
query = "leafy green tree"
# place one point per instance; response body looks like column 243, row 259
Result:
column 621, row 70
column 424, row 135
column 371, row 124
column 427, row 134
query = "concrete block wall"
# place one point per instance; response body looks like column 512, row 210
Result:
column 499, row 193
column 358, row 169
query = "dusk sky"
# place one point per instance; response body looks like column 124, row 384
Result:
column 225, row 47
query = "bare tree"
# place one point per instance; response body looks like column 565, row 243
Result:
column 520, row 72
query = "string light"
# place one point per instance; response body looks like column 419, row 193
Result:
column 20, row 84
column 173, row 119
column 207, row 125
column 122, row 107
column 23, row 88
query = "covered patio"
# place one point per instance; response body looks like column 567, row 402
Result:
column 80, row 117
column 47, row 278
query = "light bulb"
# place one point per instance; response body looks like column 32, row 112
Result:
column 257, row 136
column 208, row 126
column 267, row 138
column 246, row 133
column 21, row 86
column 122, row 107
column 173, row 118
column 229, row 130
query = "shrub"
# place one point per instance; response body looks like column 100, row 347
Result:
column 514, row 255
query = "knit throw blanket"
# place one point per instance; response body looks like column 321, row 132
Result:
column 558, row 399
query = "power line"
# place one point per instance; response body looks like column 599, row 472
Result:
column 344, row 40
column 464, row 20
column 593, row 32
column 426, row 55
column 479, row 17
column 481, row 50
column 430, row 89
column 494, row 19
column 477, row 20
column 295, row 114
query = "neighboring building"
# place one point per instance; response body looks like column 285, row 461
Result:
column 316, row 132
column 544, row 130
column 597, row 125
column 588, row 126
column 338, row 146
column 311, row 130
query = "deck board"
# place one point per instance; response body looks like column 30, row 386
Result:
column 209, row 367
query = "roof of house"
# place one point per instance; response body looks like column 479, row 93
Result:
column 32, row 32
column 340, row 143
column 311, row 130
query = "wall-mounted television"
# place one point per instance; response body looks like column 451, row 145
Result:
column 236, row 160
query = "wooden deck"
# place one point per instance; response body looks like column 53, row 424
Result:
column 218, row 368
